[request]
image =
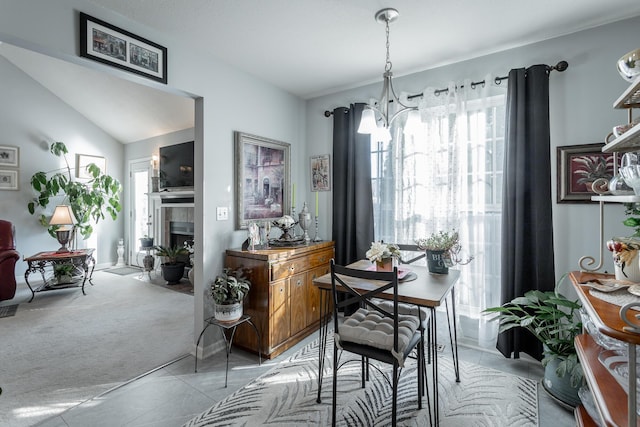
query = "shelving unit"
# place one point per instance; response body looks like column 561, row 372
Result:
column 615, row 406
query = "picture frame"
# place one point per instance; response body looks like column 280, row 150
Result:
column 108, row 44
column 578, row 167
column 83, row 160
column 262, row 179
column 320, row 167
column 9, row 156
column 8, row 179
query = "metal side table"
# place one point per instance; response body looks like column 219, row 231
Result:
column 225, row 326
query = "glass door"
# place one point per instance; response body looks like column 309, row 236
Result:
column 140, row 213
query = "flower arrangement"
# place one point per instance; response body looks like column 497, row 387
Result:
column 447, row 241
column 381, row 251
column 624, row 251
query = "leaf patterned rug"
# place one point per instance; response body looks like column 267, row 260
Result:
column 286, row 396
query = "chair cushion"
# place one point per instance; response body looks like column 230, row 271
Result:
column 408, row 309
column 370, row 328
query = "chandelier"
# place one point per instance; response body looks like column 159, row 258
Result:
column 379, row 111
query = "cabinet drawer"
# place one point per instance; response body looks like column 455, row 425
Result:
column 284, row 269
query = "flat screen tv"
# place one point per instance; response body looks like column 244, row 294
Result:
column 176, row 167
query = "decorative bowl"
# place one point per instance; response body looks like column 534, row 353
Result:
column 285, row 224
column 629, row 65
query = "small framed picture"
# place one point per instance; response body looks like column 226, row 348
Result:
column 320, row 173
column 9, row 156
column 84, row 160
column 119, row 48
column 578, row 167
column 8, row 179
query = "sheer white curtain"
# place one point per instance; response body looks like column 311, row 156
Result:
column 449, row 176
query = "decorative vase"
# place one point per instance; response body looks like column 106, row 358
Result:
column 385, row 265
column 436, row 262
column 227, row 312
column 631, row 269
column 560, row 387
column 172, row 273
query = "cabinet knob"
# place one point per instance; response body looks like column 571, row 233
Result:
column 291, row 268
column 299, row 283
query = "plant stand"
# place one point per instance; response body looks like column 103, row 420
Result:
column 225, row 326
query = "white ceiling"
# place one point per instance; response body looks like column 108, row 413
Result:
column 315, row 47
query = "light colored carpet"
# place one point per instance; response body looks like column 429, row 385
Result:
column 286, row 396
column 65, row 347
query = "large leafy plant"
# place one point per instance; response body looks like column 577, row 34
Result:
column 553, row 320
column 90, row 200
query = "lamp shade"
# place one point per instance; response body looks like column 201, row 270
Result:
column 412, row 125
column 62, row 215
column 368, row 122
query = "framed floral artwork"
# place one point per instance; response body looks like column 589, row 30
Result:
column 578, row 167
column 320, row 173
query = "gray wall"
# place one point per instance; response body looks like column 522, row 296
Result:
column 226, row 100
column 581, row 112
column 31, row 118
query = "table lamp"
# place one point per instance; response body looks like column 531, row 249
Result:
column 63, row 217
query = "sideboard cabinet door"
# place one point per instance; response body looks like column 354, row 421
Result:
column 283, row 302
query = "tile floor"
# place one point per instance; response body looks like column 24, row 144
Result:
column 172, row 395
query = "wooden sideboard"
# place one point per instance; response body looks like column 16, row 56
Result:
column 282, row 302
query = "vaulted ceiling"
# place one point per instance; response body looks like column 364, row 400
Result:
column 308, row 47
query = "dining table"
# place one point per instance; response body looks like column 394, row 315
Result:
column 416, row 285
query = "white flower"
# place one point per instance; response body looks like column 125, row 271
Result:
column 380, row 251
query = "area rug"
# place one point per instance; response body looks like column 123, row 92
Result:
column 8, row 310
column 123, row 271
column 65, row 347
column 286, row 396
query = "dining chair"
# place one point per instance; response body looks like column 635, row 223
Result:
column 374, row 332
column 409, row 255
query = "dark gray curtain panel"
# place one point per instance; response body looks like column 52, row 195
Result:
column 527, row 229
column 352, row 200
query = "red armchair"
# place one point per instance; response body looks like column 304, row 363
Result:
column 8, row 258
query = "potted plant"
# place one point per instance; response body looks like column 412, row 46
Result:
column 228, row 291
column 63, row 273
column 553, row 320
column 89, row 200
column 383, row 255
column 172, row 268
column 442, row 250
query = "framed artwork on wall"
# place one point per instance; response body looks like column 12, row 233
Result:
column 9, row 156
column 321, row 173
column 8, row 179
column 84, row 160
column 262, row 169
column 106, row 43
column 578, row 167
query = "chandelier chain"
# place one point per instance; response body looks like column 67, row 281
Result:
column 387, row 65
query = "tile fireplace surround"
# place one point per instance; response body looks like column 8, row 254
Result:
column 168, row 207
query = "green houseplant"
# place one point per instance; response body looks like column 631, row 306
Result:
column 553, row 320
column 228, row 291
column 63, row 273
column 443, row 251
column 172, row 267
column 89, row 200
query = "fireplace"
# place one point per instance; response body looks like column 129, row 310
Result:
column 179, row 233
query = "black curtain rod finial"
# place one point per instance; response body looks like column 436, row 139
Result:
column 327, row 113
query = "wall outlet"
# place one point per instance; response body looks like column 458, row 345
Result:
column 222, row 213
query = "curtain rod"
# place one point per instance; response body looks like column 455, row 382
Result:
column 560, row 67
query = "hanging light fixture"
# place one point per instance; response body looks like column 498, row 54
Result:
column 380, row 110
